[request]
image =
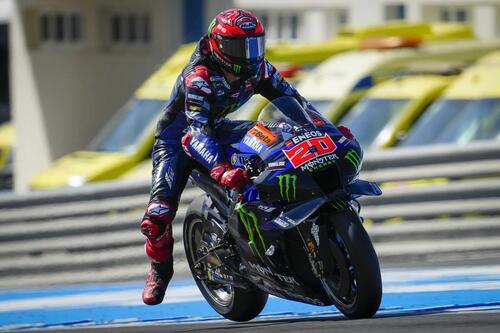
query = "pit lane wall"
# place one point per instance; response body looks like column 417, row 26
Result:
column 439, row 203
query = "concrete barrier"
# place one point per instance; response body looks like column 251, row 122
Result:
column 448, row 198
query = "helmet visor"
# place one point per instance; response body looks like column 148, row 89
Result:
column 249, row 48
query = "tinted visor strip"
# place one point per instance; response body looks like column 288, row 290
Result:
column 244, row 48
column 254, row 47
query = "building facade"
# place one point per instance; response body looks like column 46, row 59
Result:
column 73, row 63
column 316, row 20
column 76, row 62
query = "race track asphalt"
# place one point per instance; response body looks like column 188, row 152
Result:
column 415, row 323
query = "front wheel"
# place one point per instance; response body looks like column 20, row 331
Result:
column 354, row 282
column 233, row 303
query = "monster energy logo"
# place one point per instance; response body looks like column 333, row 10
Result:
column 236, row 68
column 338, row 204
column 288, row 187
column 353, row 157
column 250, row 222
column 211, row 26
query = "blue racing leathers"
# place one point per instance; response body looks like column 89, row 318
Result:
column 200, row 99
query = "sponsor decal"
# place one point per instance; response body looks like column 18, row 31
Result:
column 319, row 163
column 308, row 149
column 268, row 272
column 279, row 165
column 194, row 108
column 246, row 23
column 281, row 222
column 284, row 221
column 236, row 68
column 251, row 224
column 253, row 143
column 201, row 84
column 305, row 136
column 158, row 209
column 266, row 209
column 196, row 97
column 353, row 158
column 202, row 151
column 262, row 134
column 216, row 275
column 234, row 158
column 342, row 139
column 288, row 187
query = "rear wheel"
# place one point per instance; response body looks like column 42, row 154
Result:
column 354, row 282
column 233, row 303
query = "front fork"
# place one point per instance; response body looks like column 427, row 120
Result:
column 321, row 256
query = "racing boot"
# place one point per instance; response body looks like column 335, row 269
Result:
column 157, row 227
column 157, row 282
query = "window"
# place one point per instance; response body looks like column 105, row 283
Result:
column 294, row 24
column 342, row 17
column 454, row 14
column 130, row 28
column 395, row 12
column 288, row 26
column 445, row 15
column 281, row 25
column 60, row 28
column 461, row 15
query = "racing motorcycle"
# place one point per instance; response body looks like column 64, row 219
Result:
column 294, row 231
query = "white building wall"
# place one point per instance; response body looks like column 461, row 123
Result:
column 5, row 10
column 62, row 95
column 485, row 19
column 319, row 20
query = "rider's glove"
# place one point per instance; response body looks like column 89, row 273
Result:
column 227, row 176
column 346, row 132
column 185, row 140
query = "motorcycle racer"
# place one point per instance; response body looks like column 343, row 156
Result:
column 227, row 67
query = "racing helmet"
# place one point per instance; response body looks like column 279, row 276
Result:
column 237, row 41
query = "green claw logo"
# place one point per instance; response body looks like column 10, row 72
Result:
column 288, row 187
column 338, row 204
column 353, row 157
column 236, row 68
column 210, row 27
column 251, row 224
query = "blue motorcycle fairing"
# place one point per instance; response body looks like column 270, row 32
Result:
column 363, row 187
column 295, row 216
